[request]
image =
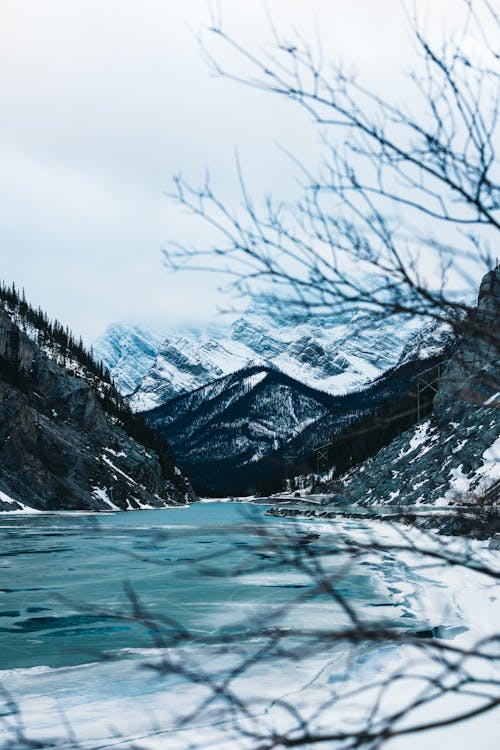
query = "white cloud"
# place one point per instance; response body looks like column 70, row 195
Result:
column 104, row 101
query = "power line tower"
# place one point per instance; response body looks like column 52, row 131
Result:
column 322, row 456
column 427, row 381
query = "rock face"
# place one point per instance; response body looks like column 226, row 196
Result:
column 60, row 449
column 185, row 363
column 129, row 352
column 335, row 353
column 454, row 456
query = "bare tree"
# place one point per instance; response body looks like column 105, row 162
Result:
column 400, row 215
column 405, row 204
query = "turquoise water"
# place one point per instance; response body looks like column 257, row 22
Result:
column 65, row 580
column 96, row 611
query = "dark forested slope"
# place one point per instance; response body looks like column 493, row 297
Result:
column 245, row 432
column 67, row 439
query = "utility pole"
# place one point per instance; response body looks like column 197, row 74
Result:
column 321, row 455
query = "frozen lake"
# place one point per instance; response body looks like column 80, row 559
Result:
column 72, row 645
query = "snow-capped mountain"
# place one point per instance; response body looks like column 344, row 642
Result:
column 429, row 342
column 129, row 352
column 334, row 353
column 243, row 432
column 236, row 423
column 188, row 361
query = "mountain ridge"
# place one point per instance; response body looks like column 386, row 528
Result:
column 336, row 353
column 236, row 433
column 67, row 439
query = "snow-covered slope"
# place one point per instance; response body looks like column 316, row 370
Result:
column 334, row 353
column 129, row 352
column 227, row 431
column 454, row 455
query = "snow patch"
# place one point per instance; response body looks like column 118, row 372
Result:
column 115, row 468
column 419, row 437
column 102, row 494
column 492, row 400
column 18, row 507
column 491, row 463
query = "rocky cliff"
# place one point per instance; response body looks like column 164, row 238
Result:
column 62, row 446
column 454, row 455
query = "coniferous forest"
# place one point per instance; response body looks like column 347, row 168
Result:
column 68, row 351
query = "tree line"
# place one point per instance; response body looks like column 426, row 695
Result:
column 52, row 333
column 66, row 349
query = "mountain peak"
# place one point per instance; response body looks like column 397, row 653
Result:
column 335, row 353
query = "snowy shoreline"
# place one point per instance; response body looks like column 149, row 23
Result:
column 457, row 603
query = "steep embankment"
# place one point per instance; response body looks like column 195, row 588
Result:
column 63, row 445
column 454, row 455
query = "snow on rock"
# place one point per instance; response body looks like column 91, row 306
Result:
column 459, row 483
column 335, row 353
column 9, row 505
column 128, row 351
column 101, row 493
column 418, row 438
column 440, row 461
column 489, row 472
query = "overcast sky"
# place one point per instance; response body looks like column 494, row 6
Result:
column 102, row 101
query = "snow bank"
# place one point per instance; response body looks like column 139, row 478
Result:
column 17, row 505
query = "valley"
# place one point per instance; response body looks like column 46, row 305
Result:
column 250, row 375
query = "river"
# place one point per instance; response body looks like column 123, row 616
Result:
column 91, row 604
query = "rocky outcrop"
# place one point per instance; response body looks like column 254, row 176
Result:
column 472, row 375
column 453, row 456
column 59, row 447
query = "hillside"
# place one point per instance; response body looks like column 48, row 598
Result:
column 245, row 432
column 67, row 439
column 451, row 457
column 454, row 455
